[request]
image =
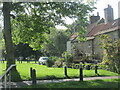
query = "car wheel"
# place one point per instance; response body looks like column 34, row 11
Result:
column 41, row 63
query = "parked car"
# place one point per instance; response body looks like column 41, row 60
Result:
column 42, row 60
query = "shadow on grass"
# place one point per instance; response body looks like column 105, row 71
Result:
column 85, row 84
column 15, row 75
column 51, row 77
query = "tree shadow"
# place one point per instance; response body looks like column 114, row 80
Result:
column 66, row 76
column 15, row 75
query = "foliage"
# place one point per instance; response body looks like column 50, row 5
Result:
column 55, row 61
column 104, row 67
column 79, row 24
column 91, row 66
column 56, row 42
column 59, row 63
column 68, row 57
column 24, row 50
column 51, row 60
column 86, row 59
column 79, row 56
column 111, row 53
column 33, row 19
column 49, row 63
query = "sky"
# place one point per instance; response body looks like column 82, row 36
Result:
column 100, row 5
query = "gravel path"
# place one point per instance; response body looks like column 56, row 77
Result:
column 24, row 83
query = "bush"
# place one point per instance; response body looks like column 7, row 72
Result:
column 111, row 52
column 67, row 57
column 59, row 62
column 50, row 61
column 103, row 66
column 90, row 66
column 88, row 59
column 76, row 66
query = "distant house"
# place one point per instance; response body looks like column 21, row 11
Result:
column 96, row 27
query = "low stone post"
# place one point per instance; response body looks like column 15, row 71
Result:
column 33, row 76
column 81, row 74
column 65, row 71
column 88, row 67
column 96, row 69
column 31, row 72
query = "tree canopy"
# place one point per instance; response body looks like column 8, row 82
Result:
column 56, row 42
column 33, row 20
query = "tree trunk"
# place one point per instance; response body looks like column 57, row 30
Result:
column 8, row 40
column 7, row 34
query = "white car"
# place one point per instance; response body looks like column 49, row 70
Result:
column 42, row 60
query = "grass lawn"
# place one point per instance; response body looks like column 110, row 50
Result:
column 43, row 72
column 106, row 83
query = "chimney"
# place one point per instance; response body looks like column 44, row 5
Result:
column 108, row 14
column 94, row 19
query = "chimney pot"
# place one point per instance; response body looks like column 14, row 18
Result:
column 108, row 14
column 97, row 13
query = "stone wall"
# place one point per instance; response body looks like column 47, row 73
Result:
column 93, row 46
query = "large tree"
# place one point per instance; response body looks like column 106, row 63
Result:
column 8, row 39
column 7, row 33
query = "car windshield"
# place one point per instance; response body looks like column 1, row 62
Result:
column 44, row 58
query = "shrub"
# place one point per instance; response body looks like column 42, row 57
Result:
column 76, row 66
column 89, row 59
column 50, row 61
column 88, row 67
column 59, row 62
column 111, row 53
column 67, row 57
column 103, row 66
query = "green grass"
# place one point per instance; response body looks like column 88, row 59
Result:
column 106, row 83
column 43, row 72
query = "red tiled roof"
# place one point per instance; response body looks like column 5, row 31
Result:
column 98, row 28
column 103, row 27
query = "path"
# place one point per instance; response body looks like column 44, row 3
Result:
column 24, row 83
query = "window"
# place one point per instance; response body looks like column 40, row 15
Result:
column 89, row 45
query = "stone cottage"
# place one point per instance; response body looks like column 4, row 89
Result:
column 96, row 28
